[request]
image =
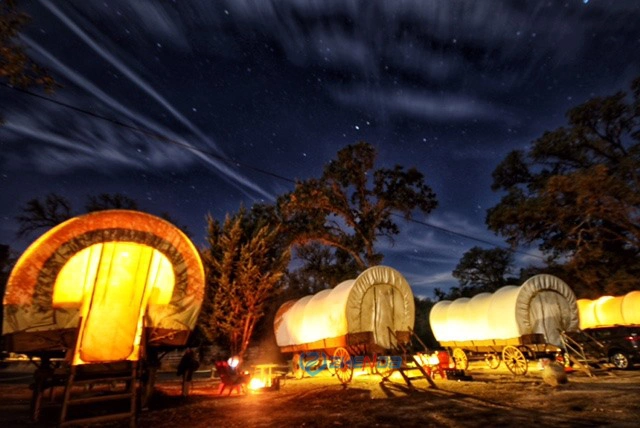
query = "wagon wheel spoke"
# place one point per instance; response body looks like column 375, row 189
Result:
column 515, row 360
column 343, row 365
column 462, row 362
column 296, row 366
column 493, row 360
column 384, row 368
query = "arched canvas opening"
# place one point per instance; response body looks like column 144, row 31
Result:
column 377, row 301
column 98, row 265
column 543, row 304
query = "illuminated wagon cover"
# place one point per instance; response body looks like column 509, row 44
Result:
column 608, row 311
column 543, row 305
column 372, row 309
column 122, row 272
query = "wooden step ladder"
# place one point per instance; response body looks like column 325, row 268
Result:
column 114, row 384
column 589, row 360
column 410, row 363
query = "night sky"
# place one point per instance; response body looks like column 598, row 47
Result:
column 447, row 86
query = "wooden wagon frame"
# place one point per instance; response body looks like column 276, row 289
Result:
column 341, row 351
column 515, row 353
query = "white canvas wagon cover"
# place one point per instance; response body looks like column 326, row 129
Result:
column 378, row 300
column 608, row 311
column 543, row 304
column 108, row 268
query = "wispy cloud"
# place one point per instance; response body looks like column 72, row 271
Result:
column 117, row 142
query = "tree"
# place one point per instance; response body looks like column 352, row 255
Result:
column 323, row 267
column 107, row 201
column 481, row 270
column 43, row 215
column 422, row 325
column 55, row 209
column 7, row 260
column 16, row 67
column 244, row 268
column 351, row 205
column 576, row 193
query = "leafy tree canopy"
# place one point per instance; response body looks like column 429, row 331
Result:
column 484, row 270
column 576, row 193
column 322, row 268
column 351, row 205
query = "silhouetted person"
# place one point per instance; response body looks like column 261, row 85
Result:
column 187, row 365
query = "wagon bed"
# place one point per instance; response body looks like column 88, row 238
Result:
column 341, row 350
column 515, row 352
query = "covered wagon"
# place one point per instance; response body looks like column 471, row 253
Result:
column 608, row 311
column 103, row 288
column 366, row 316
column 515, row 323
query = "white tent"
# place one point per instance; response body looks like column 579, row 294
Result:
column 609, row 311
column 543, row 304
column 377, row 301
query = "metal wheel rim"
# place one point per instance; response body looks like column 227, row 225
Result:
column 344, row 370
column 492, row 360
column 620, row 360
column 515, row 360
column 462, row 362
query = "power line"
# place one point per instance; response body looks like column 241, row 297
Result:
column 238, row 163
column 150, row 133
column 462, row 235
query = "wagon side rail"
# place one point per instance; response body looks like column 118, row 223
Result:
column 514, row 352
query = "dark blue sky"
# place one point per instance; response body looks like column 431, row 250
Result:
column 447, row 86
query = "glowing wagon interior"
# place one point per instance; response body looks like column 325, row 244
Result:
column 102, row 284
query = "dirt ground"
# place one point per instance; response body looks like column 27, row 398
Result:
column 490, row 398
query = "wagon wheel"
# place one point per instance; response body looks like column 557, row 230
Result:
column 515, row 360
column 462, row 362
column 493, row 360
column 296, row 368
column 385, row 371
column 344, row 365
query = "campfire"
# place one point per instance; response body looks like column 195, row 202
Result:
column 264, row 378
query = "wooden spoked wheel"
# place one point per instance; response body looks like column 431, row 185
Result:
column 493, row 360
column 386, row 370
column 460, row 357
column 296, row 368
column 515, row 360
column 344, row 365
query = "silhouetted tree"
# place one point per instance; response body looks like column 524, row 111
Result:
column 16, row 68
column 481, row 270
column 244, row 265
column 6, row 263
column 37, row 214
column 322, row 268
column 422, row 326
column 351, row 205
column 576, row 192
column 110, row 201
column 55, row 209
